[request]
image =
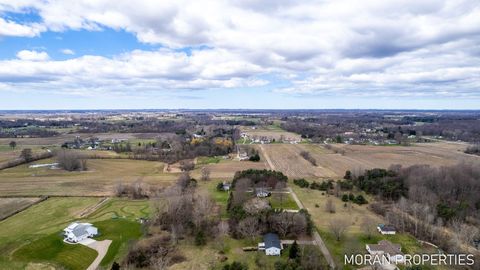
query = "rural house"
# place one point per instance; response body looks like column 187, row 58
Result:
column 271, row 244
column 262, row 192
column 226, row 186
column 76, row 232
column 388, row 249
column 386, row 229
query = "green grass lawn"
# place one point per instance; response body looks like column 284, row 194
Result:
column 286, row 203
column 25, row 231
column 354, row 243
column 121, row 232
column 205, row 257
column 208, row 160
column 52, row 249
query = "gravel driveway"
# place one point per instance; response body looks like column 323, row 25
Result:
column 101, row 247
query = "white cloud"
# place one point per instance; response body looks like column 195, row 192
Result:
column 32, row 55
column 347, row 47
column 10, row 28
column 67, row 51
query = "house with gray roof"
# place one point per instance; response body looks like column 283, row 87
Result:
column 271, row 244
column 386, row 248
column 76, row 232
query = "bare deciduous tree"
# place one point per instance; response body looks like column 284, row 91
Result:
column 205, row 174
column 338, row 227
column 368, row 226
column 330, row 206
column 249, row 227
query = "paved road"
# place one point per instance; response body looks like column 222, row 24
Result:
column 101, row 247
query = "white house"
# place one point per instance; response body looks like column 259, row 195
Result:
column 262, row 192
column 271, row 244
column 386, row 229
column 76, row 232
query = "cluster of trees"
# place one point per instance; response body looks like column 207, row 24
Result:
column 71, row 161
column 173, row 148
column 388, row 184
column 301, row 258
column 136, row 190
column 26, row 156
column 251, row 216
column 153, row 252
column 473, row 149
column 179, row 212
column 308, row 157
column 430, row 199
column 188, row 212
column 122, row 147
column 323, row 186
column 28, row 127
column 264, row 178
column 359, row 199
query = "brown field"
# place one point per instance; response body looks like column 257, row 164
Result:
column 58, row 140
column 285, row 157
column 100, row 178
column 9, row 206
column 270, row 132
column 225, row 169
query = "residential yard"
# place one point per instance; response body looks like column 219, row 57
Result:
column 355, row 239
column 41, row 224
column 52, row 249
column 208, row 257
column 282, row 201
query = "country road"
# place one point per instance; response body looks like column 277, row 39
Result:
column 316, row 237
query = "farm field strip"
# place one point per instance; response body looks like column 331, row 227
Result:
column 9, row 206
column 99, row 180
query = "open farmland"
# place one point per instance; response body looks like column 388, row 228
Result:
column 99, row 180
column 332, row 163
column 271, row 132
column 225, row 169
column 286, row 158
column 9, row 206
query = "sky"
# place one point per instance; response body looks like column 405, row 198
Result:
column 233, row 54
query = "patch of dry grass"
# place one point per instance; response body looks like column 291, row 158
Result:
column 100, row 178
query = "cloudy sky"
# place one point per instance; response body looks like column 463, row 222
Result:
column 93, row 54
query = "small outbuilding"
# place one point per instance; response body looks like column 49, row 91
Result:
column 76, row 232
column 386, row 229
column 226, row 186
column 271, row 244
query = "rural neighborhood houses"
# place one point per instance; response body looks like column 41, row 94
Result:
column 271, row 244
column 76, row 232
column 386, row 229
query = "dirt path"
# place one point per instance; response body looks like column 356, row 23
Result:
column 267, row 158
column 93, row 208
column 316, row 237
column 101, row 247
